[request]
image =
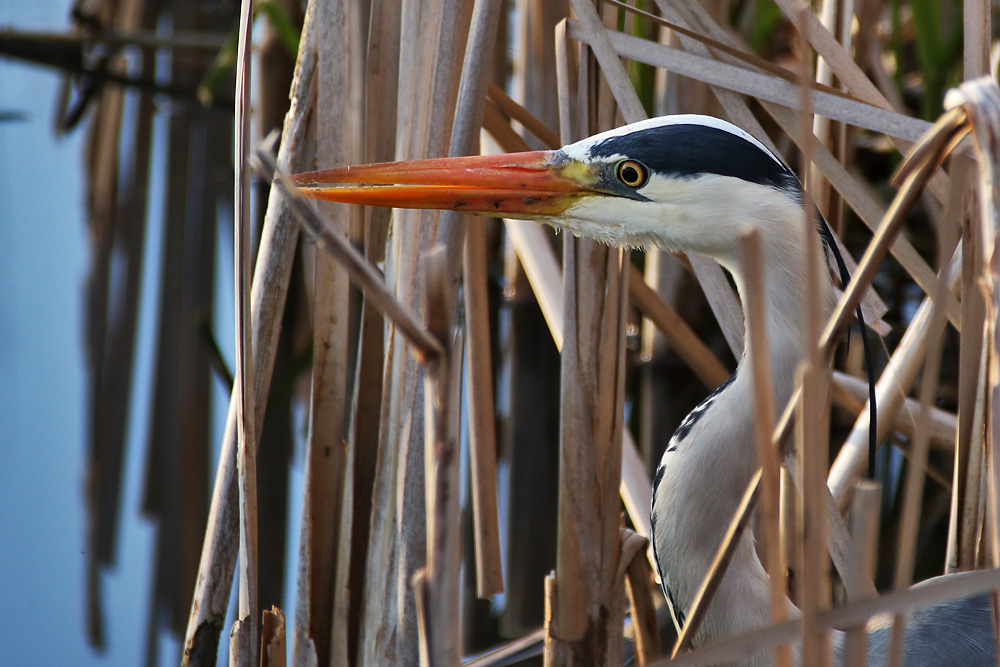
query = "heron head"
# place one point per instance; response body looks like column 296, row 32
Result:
column 684, row 182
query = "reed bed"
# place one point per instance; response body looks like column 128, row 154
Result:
column 485, row 401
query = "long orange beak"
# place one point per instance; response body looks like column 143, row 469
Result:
column 529, row 185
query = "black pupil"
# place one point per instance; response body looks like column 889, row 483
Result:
column 630, row 174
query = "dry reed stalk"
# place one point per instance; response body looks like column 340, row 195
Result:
column 914, row 172
column 530, row 398
column 437, row 585
column 705, row 41
column 812, row 425
column 453, row 229
column 638, row 577
column 270, row 285
column 963, row 526
column 752, row 269
column 543, row 274
column 339, row 125
column 542, row 269
column 980, row 99
column 502, row 654
column 587, row 590
column 245, row 644
column 179, row 430
column 976, row 20
column 482, row 422
column 822, row 128
column 510, row 108
column 272, row 639
column 947, row 131
column 864, row 531
column 762, row 86
column 635, row 485
column 381, row 91
column 397, row 547
column 239, row 644
column 273, row 80
column 433, row 39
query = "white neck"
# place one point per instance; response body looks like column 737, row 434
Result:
column 705, row 472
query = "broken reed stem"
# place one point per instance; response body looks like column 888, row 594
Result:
column 752, row 268
column 272, row 639
column 419, row 583
column 367, row 277
column 246, row 645
column 864, row 532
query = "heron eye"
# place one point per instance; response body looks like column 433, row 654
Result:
column 631, row 173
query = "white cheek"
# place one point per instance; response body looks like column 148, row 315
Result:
column 704, row 215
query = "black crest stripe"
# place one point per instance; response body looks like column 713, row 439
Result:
column 689, row 150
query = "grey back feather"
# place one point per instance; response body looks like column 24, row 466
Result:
column 958, row 632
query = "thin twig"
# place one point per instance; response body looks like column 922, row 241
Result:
column 245, row 410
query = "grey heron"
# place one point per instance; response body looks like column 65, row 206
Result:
column 693, row 184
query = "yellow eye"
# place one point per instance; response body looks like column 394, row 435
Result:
column 631, row 173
